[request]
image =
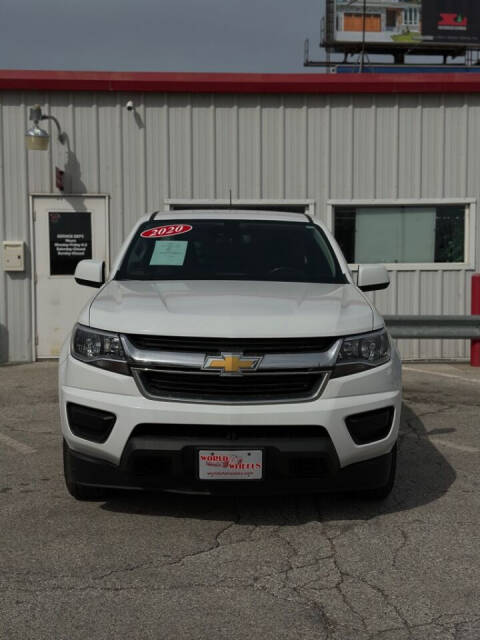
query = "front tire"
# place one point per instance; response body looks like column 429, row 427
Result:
column 78, row 491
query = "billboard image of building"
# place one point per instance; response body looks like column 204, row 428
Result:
column 385, row 20
column 404, row 22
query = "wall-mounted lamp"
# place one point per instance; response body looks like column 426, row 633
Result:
column 36, row 138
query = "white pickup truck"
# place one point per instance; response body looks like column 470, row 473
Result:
column 230, row 351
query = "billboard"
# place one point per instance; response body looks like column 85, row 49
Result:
column 405, row 22
column 456, row 21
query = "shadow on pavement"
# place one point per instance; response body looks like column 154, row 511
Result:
column 423, row 476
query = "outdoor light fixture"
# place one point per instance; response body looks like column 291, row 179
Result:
column 36, row 138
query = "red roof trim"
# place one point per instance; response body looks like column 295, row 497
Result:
column 238, row 82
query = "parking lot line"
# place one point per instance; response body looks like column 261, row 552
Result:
column 444, row 375
column 459, row 447
column 14, row 444
column 443, row 443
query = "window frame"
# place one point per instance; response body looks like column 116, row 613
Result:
column 470, row 227
column 411, row 16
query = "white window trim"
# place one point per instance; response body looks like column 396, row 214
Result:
column 470, row 227
column 237, row 203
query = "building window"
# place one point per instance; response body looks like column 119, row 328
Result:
column 401, row 234
column 391, row 19
column 411, row 17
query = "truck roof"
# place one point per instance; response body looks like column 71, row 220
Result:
column 232, row 214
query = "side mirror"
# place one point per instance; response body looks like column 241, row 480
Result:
column 372, row 277
column 90, row 273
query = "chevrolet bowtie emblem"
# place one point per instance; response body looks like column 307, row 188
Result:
column 231, row 363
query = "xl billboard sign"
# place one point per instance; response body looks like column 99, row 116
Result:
column 451, row 21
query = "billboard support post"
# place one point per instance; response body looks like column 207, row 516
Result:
column 363, row 34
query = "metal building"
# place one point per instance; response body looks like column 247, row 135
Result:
column 391, row 163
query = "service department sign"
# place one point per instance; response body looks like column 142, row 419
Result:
column 70, row 240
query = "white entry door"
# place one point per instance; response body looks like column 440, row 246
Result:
column 66, row 230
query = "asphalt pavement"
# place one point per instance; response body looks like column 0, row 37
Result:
column 165, row 566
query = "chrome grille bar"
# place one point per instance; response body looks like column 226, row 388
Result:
column 180, row 376
column 274, row 361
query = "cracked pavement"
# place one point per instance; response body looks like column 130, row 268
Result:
column 152, row 566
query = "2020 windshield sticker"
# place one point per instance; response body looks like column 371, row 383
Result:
column 166, row 231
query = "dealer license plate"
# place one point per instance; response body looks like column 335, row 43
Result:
column 230, row 465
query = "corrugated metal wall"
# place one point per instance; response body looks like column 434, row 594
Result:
column 200, row 146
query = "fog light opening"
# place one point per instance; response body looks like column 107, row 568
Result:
column 370, row 426
column 88, row 423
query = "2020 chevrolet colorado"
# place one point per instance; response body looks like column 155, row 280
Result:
column 230, row 351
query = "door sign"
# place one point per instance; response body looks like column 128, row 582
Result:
column 70, row 240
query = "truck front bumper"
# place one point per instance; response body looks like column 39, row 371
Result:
column 319, row 452
column 174, row 469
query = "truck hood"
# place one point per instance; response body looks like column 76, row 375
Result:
column 231, row 309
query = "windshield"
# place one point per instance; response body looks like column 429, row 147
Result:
column 230, row 250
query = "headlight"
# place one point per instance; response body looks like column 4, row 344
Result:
column 99, row 348
column 359, row 353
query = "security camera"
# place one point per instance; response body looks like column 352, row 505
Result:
column 130, row 106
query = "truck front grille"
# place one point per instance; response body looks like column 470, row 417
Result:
column 250, row 388
column 231, row 370
column 245, row 345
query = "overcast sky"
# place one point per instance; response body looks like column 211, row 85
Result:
column 159, row 35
